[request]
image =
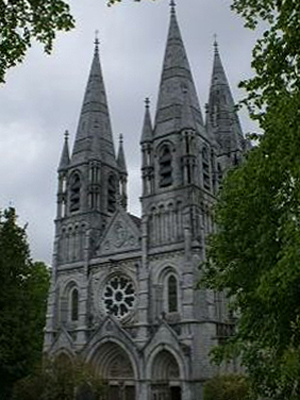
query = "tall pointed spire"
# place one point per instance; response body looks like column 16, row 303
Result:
column 65, row 157
column 221, row 113
column 94, row 138
column 121, row 157
column 147, row 133
column 187, row 118
column 175, row 79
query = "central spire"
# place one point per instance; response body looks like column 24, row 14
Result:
column 94, row 138
column 176, row 80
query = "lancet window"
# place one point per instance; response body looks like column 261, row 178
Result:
column 172, row 294
column 165, row 166
column 74, row 305
column 111, row 194
column 205, row 169
column 75, row 187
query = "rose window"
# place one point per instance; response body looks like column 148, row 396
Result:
column 119, row 296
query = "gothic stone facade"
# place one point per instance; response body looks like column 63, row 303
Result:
column 124, row 290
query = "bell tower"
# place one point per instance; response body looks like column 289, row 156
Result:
column 89, row 179
column 177, row 152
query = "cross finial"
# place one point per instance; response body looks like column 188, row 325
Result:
column 172, row 5
column 147, row 102
column 215, row 42
column 96, row 42
column 121, row 138
column 66, row 135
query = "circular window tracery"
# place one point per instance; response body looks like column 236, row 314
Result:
column 119, row 296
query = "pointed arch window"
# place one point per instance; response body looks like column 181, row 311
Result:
column 165, row 167
column 220, row 174
column 74, row 306
column 75, row 186
column 172, row 294
column 111, row 194
column 205, row 169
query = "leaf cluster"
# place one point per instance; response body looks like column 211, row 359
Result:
column 23, row 287
column 60, row 378
column 21, row 21
column 276, row 57
column 255, row 255
column 226, row 387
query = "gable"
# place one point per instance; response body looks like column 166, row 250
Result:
column 121, row 235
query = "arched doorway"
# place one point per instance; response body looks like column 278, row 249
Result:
column 165, row 377
column 115, row 368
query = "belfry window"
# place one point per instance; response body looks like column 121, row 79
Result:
column 75, row 192
column 220, row 174
column 74, row 305
column 205, row 169
column 111, row 194
column 172, row 294
column 165, row 167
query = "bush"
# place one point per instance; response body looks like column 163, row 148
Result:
column 60, row 379
column 226, row 387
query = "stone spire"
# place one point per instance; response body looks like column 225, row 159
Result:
column 176, row 78
column 187, row 118
column 121, row 157
column 147, row 132
column 221, row 116
column 65, row 157
column 94, row 135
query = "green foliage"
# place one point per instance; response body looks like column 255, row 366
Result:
column 226, row 387
column 60, row 378
column 255, row 254
column 276, row 57
column 21, row 21
column 23, row 287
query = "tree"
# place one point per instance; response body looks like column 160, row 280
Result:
column 23, row 288
column 255, row 254
column 22, row 21
column 61, row 378
column 226, row 387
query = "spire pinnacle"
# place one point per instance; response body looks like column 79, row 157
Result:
column 221, row 114
column 147, row 103
column 147, row 134
column 172, row 7
column 67, row 135
column 216, row 46
column 96, row 42
column 176, row 73
column 65, row 157
column 121, row 156
column 94, row 134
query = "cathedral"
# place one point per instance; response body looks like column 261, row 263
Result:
column 124, row 292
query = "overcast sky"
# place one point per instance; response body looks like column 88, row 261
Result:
column 42, row 97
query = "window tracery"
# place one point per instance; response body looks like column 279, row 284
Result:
column 119, row 296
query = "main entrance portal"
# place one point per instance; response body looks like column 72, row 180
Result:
column 165, row 377
column 115, row 368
